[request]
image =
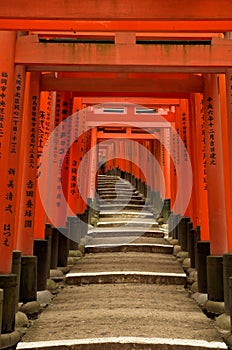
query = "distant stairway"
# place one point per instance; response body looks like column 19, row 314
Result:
column 124, row 214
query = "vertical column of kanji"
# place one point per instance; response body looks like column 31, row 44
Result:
column 202, row 191
column 25, row 236
column 173, row 164
column 27, row 212
column 7, row 41
column 80, row 156
column 214, row 167
column 62, row 113
column 14, row 169
column 45, row 126
column 42, row 245
column 216, row 188
column 52, row 200
column 184, row 133
column 192, row 155
column 92, row 164
column 73, row 192
column 82, row 178
column 66, row 165
column 166, row 160
column 10, row 194
column 178, row 204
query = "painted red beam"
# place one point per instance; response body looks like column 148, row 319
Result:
column 77, row 26
column 143, row 101
column 139, row 121
column 122, row 85
column 213, row 58
column 104, row 136
column 113, row 95
column 116, row 9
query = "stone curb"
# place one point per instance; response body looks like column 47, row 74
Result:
column 125, row 277
column 124, row 343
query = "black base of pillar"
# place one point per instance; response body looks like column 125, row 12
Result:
column 194, row 236
column 227, row 273
column 48, row 237
column 54, row 248
column 63, row 248
column 8, row 283
column 73, row 232
column 183, row 232
column 41, row 251
column 215, row 278
column 16, row 270
column 166, row 209
column 202, row 251
column 28, row 279
column 1, row 307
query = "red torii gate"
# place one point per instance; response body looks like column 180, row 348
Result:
column 211, row 60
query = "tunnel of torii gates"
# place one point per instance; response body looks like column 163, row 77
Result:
column 106, row 66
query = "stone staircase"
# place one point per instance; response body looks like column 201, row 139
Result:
column 127, row 291
column 123, row 212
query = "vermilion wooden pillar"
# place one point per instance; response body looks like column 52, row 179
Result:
column 63, row 138
column 192, row 155
column 180, row 185
column 214, row 167
column 202, row 188
column 25, row 235
column 52, row 201
column 13, row 172
column 7, row 41
column 228, row 139
column 45, row 126
column 166, row 160
column 92, row 164
column 73, row 190
column 82, row 183
column 185, row 134
column 173, row 164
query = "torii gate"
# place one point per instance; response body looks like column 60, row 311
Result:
column 129, row 66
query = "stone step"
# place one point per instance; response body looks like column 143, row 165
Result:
column 120, row 203
column 81, row 278
column 120, row 197
column 129, row 206
column 129, row 247
column 128, row 223
column 123, row 343
column 125, row 214
column 111, row 191
column 121, row 194
column 121, row 187
column 113, row 188
column 125, row 232
column 114, row 182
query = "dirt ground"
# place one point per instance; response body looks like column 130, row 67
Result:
column 128, row 261
column 122, row 310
